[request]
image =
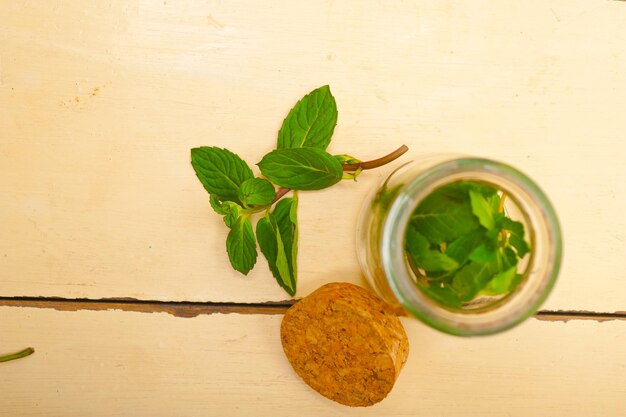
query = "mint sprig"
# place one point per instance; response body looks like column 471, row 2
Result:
column 300, row 162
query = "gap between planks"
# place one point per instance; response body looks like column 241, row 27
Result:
column 193, row 309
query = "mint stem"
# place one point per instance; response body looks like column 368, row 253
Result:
column 501, row 204
column 17, row 355
column 280, row 193
column 374, row 163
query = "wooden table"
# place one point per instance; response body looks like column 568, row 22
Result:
column 113, row 266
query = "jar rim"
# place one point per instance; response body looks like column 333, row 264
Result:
column 518, row 306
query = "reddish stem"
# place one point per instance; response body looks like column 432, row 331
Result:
column 375, row 163
column 280, row 193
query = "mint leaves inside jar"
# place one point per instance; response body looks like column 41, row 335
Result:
column 462, row 246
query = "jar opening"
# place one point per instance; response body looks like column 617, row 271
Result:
column 524, row 203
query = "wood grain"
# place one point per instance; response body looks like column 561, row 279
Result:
column 100, row 363
column 189, row 309
column 101, row 102
column 175, row 308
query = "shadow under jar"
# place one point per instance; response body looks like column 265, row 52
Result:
column 469, row 246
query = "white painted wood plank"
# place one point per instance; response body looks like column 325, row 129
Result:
column 137, row 364
column 100, row 103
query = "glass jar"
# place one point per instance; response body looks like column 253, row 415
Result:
column 385, row 218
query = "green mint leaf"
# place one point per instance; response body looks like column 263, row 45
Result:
column 472, row 278
column 467, row 186
column 293, row 217
column 216, row 204
column 256, row 192
column 277, row 233
column 414, row 241
column 286, row 212
column 425, row 258
column 311, row 122
column 509, row 258
column 494, row 205
column 233, row 211
column 436, row 261
column 444, row 215
column 482, row 210
column 229, row 209
column 498, row 218
column 241, row 245
column 301, row 168
column 501, row 283
column 266, row 237
column 272, row 247
column 461, row 247
column 441, row 293
column 483, row 253
column 220, row 171
column 516, row 236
